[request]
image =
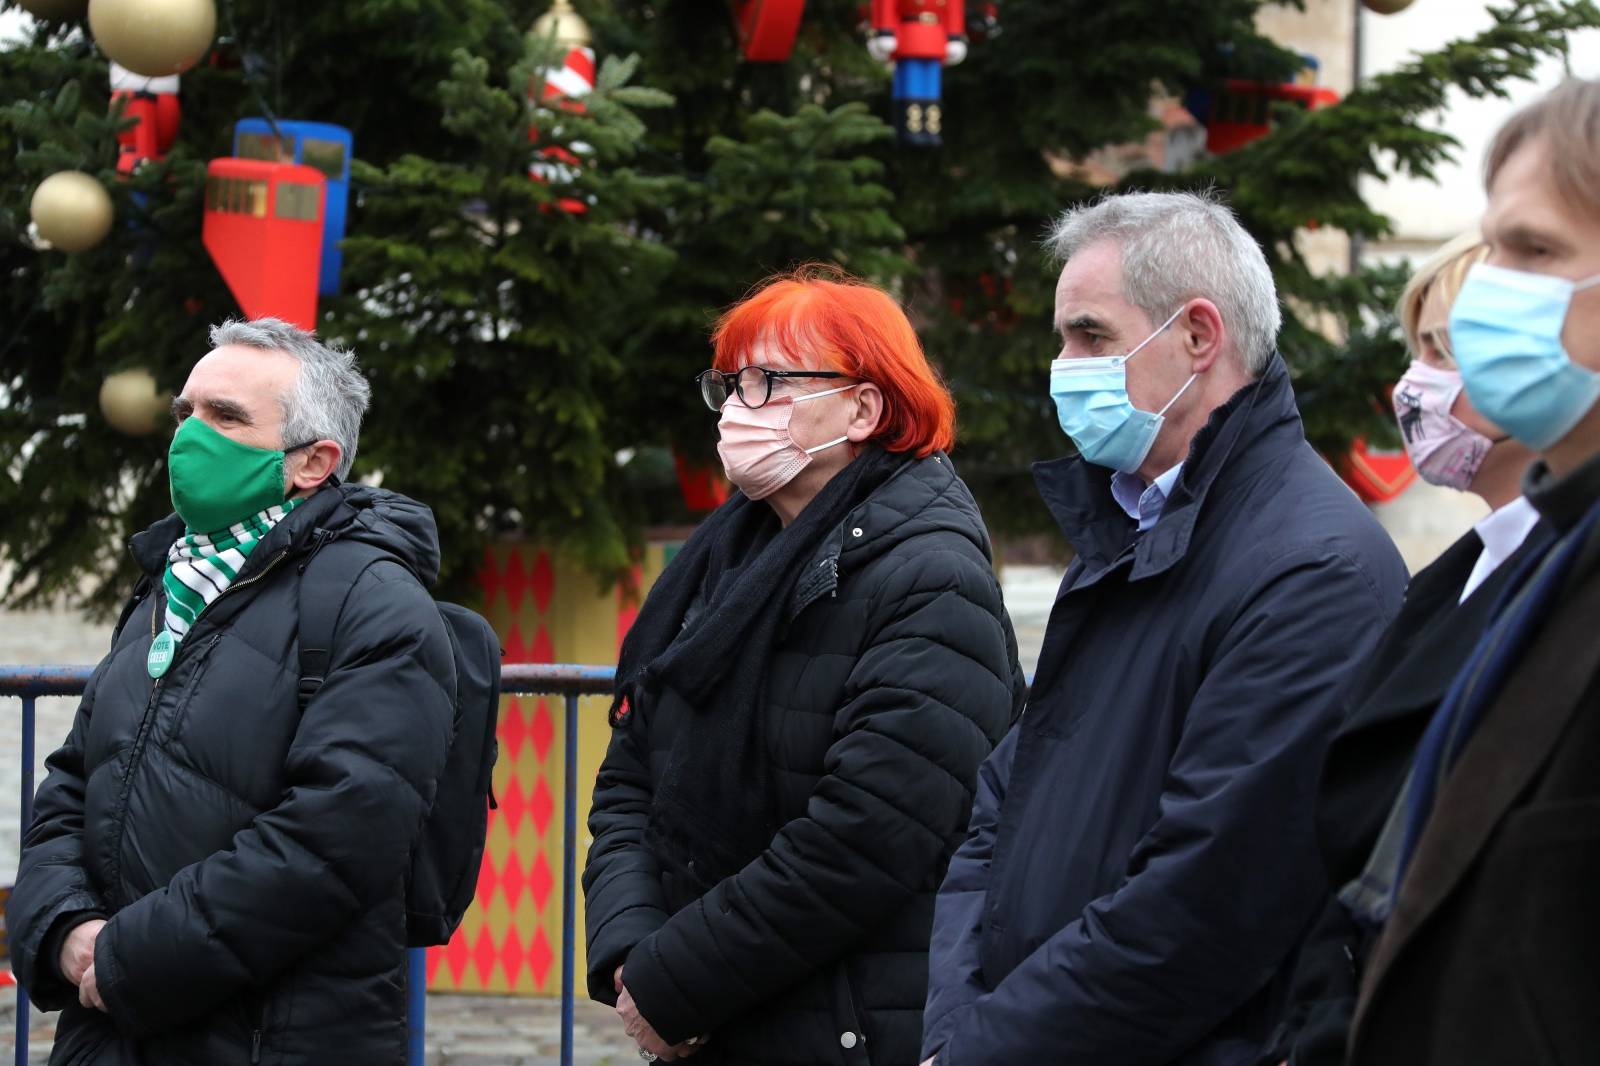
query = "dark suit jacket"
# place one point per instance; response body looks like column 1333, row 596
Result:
column 1492, row 953
column 1388, row 707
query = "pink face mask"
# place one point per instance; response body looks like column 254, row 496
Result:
column 758, row 454
column 1445, row 450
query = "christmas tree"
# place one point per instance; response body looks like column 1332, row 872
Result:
column 532, row 363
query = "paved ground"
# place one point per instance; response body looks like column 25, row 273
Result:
column 462, row 1031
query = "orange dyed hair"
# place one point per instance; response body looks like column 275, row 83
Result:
column 822, row 317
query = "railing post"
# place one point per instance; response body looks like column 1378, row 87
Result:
column 417, row 1005
column 569, row 880
column 27, row 820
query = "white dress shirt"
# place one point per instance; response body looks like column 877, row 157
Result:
column 1502, row 533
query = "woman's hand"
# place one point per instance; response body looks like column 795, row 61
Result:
column 642, row 1033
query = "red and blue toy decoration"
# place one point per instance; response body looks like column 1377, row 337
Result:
column 321, row 145
column 263, row 228
column 1242, row 111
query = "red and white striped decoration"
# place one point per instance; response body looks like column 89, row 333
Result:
column 565, row 88
column 575, row 79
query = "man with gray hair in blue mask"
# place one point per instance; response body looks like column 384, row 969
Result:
column 1141, row 859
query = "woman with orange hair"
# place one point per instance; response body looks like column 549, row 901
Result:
column 802, row 705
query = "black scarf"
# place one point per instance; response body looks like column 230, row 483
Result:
column 714, row 800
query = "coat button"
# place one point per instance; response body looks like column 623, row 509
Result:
column 847, row 1040
column 857, row 532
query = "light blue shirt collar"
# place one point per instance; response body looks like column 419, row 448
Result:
column 1143, row 503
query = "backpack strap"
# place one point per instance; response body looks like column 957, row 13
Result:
column 327, row 577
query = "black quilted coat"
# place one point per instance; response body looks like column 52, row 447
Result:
column 250, row 858
column 895, row 677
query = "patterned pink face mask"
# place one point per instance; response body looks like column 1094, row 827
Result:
column 1445, row 450
column 758, row 453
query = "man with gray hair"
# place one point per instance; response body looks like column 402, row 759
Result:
column 1141, row 858
column 216, row 868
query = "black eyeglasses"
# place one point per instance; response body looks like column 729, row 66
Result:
column 752, row 384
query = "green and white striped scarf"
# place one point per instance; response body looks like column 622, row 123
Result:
column 201, row 566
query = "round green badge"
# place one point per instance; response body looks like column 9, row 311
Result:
column 162, row 649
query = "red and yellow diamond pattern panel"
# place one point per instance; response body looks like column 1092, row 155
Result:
column 546, row 610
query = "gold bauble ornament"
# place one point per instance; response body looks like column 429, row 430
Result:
column 130, row 402
column 565, row 24
column 154, row 37
column 72, row 210
column 54, row 10
column 1387, row 7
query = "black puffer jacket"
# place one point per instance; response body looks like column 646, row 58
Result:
column 895, row 677
column 250, row 858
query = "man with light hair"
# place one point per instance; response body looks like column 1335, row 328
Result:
column 1141, row 858
column 1486, row 946
column 216, row 868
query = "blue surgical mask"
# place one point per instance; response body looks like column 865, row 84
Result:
column 1092, row 404
column 1505, row 329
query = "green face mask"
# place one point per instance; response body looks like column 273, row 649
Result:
column 217, row 481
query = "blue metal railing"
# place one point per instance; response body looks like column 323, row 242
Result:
column 28, row 683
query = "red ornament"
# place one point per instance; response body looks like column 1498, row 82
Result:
column 1376, row 475
column 263, row 229
column 767, row 28
column 564, row 89
column 704, row 488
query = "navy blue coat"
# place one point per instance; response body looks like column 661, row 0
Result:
column 1141, row 859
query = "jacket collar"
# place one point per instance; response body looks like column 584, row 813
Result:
column 1436, row 632
column 879, row 523
column 322, row 509
column 1078, row 493
column 1562, row 501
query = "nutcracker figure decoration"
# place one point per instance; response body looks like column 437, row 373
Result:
column 920, row 37
column 153, row 105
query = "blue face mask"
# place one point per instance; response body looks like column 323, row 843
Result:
column 1505, row 329
column 1092, row 405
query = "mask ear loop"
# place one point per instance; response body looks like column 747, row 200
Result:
column 1173, row 318
column 825, row 447
column 1163, row 412
column 332, row 481
column 1159, row 331
column 826, row 392
column 818, row 396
